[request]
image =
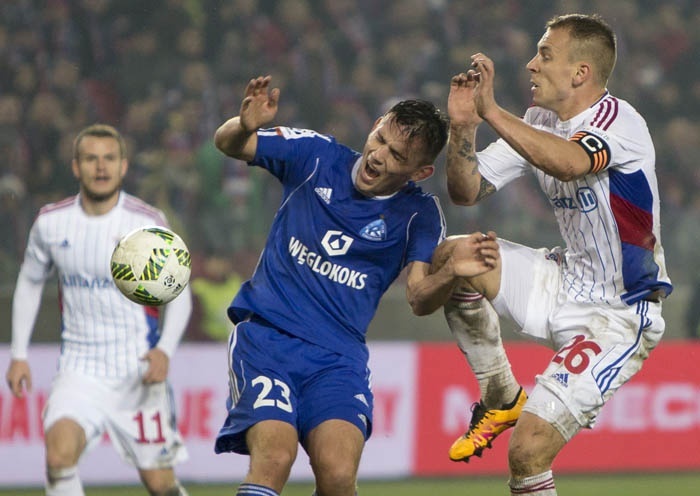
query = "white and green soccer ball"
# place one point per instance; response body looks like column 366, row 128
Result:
column 151, row 265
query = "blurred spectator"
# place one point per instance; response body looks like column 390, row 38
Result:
column 167, row 70
column 212, row 292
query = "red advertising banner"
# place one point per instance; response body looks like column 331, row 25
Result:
column 651, row 424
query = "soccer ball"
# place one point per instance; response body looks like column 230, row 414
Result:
column 151, row 265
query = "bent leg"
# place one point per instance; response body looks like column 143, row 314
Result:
column 65, row 441
column 475, row 326
column 334, row 449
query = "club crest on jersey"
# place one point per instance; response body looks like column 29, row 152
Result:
column 336, row 243
column 374, row 231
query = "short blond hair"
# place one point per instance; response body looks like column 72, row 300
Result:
column 99, row 131
column 594, row 41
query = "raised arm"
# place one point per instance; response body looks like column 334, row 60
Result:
column 556, row 156
column 464, row 182
column 237, row 136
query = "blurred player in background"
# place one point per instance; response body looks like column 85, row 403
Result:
column 597, row 303
column 347, row 226
column 115, row 353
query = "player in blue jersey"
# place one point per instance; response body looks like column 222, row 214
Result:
column 596, row 302
column 348, row 224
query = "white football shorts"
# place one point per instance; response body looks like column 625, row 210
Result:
column 597, row 347
column 139, row 418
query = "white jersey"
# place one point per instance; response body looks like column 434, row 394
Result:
column 103, row 333
column 608, row 218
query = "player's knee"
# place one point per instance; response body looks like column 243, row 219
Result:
column 336, row 481
column 335, row 476
column 271, row 466
column 529, row 454
column 522, row 459
column 60, row 456
column 65, row 441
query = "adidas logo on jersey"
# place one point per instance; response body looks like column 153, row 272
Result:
column 324, row 193
column 563, row 378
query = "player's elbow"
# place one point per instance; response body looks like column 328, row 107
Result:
column 459, row 196
column 422, row 304
column 569, row 172
column 420, row 309
column 222, row 140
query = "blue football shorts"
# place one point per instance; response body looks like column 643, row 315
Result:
column 274, row 375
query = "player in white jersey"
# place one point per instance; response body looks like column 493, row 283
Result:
column 112, row 373
column 597, row 302
column 348, row 224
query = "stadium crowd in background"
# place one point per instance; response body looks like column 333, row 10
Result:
column 166, row 72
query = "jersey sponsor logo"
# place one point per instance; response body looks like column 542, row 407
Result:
column 324, row 193
column 585, row 201
column 79, row 281
column 332, row 271
column 596, row 148
column 336, row 243
column 566, row 202
column 374, row 231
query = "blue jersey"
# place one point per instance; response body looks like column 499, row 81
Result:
column 331, row 252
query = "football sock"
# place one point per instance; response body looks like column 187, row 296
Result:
column 248, row 489
column 63, row 482
column 475, row 325
column 536, row 485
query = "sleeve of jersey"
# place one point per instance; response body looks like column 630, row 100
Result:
column 286, row 152
column 37, row 264
column 500, row 164
column 175, row 320
column 25, row 307
column 426, row 230
column 26, row 299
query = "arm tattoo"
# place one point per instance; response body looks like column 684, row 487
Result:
column 467, row 152
column 485, row 189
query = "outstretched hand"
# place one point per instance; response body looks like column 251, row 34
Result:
column 259, row 105
column 461, row 107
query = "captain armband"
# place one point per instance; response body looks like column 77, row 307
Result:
column 597, row 149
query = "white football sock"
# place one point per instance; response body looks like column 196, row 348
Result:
column 64, row 482
column 475, row 325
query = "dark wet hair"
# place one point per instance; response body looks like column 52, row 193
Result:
column 421, row 119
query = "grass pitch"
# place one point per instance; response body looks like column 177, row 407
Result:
column 677, row 484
